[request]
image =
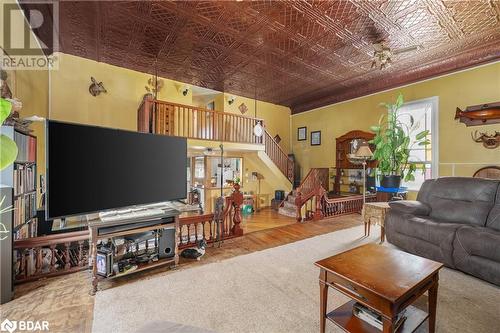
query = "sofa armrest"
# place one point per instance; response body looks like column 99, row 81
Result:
column 410, row 207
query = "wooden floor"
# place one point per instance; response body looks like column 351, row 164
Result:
column 264, row 219
column 66, row 303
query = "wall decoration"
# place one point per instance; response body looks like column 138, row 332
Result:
column 96, row 88
column 302, row 134
column 243, row 108
column 316, row 138
column 489, row 141
column 483, row 114
column 153, row 88
column 277, row 138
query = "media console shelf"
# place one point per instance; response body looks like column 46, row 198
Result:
column 108, row 229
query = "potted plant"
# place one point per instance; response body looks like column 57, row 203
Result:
column 8, row 148
column 393, row 144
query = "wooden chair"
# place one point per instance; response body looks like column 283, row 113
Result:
column 490, row 172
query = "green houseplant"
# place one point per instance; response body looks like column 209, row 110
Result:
column 393, row 144
column 8, row 148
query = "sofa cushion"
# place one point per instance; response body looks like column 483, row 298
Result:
column 494, row 215
column 429, row 238
column 428, row 229
column 476, row 250
column 411, row 207
column 462, row 200
column 478, row 241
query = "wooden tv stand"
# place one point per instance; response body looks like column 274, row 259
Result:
column 108, row 229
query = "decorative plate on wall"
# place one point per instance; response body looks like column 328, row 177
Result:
column 243, row 108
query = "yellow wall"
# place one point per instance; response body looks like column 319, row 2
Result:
column 276, row 117
column 458, row 154
column 117, row 108
column 72, row 102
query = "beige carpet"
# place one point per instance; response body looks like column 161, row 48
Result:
column 271, row 291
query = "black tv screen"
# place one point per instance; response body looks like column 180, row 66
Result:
column 91, row 169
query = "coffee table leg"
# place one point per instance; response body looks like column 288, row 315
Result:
column 323, row 300
column 432, row 307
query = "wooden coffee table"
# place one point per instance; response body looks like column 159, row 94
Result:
column 384, row 279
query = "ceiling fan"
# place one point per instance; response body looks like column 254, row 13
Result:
column 383, row 54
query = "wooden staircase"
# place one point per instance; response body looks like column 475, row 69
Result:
column 288, row 207
column 310, row 200
column 161, row 117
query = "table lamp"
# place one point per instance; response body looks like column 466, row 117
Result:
column 364, row 153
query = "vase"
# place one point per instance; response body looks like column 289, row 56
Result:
column 391, row 181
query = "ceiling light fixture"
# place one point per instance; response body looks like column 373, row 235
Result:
column 258, row 130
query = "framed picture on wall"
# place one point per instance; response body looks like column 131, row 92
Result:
column 302, row 134
column 316, row 138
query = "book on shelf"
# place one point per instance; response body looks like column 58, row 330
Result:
column 24, row 209
column 24, row 179
column 374, row 318
column 26, row 146
column 27, row 230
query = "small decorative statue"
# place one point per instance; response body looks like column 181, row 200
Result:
column 195, row 253
column 96, row 88
column 154, row 86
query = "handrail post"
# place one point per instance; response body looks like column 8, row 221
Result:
column 298, row 205
column 318, row 214
column 237, row 198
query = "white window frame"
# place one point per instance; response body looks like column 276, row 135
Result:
column 434, row 101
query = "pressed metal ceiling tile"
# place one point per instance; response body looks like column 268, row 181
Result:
column 303, row 54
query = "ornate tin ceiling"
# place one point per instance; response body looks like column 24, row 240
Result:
column 303, row 54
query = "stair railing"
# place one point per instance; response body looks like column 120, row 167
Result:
column 310, row 192
column 279, row 157
column 167, row 118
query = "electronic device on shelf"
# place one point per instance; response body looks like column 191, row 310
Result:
column 92, row 169
column 132, row 214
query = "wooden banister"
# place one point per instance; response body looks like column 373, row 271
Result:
column 51, row 255
column 197, row 227
column 192, row 122
column 279, row 157
column 65, row 253
column 312, row 188
column 174, row 119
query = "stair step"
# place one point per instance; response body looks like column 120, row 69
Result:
column 287, row 212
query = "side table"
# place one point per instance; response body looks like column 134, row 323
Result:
column 375, row 211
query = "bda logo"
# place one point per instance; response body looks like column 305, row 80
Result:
column 8, row 325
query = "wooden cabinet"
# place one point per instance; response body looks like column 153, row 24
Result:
column 344, row 145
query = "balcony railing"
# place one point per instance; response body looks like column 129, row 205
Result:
column 191, row 122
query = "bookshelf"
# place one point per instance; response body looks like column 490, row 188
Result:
column 21, row 178
column 18, row 187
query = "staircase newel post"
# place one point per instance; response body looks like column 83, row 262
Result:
column 298, row 205
column 237, row 198
column 318, row 213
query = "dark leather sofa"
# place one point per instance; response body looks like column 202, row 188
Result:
column 456, row 221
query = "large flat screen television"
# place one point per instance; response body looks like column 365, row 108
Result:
column 91, row 169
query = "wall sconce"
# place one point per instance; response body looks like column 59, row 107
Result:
column 231, row 99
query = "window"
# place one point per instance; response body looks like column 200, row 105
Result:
column 425, row 115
